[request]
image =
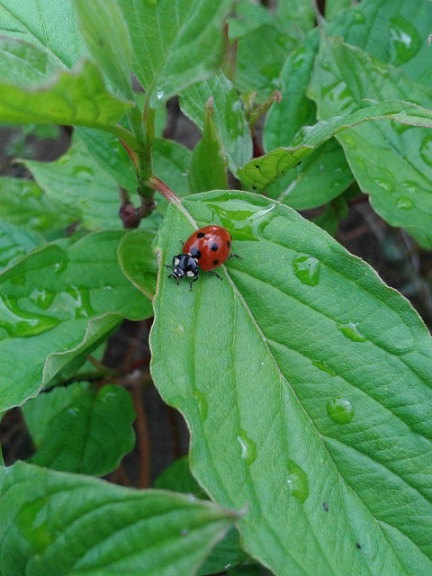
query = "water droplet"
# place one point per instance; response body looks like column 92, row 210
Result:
column 358, row 17
column 404, row 203
column 42, row 298
column 410, row 186
column 324, row 367
column 350, row 330
column 18, row 323
column 404, row 41
column 77, row 301
column 60, row 266
column 307, row 268
column 339, row 93
column 248, row 223
column 202, row 403
column 248, row 447
column 297, row 481
column 426, row 150
column 340, row 410
column 83, row 172
column 385, row 183
column 160, row 94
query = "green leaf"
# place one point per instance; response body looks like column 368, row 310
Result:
column 228, row 552
column 207, row 168
column 320, row 178
column 22, row 64
column 105, row 33
column 262, row 171
column 170, row 163
column 294, row 111
column 14, row 242
column 83, row 429
column 247, row 16
column 137, row 260
column 269, row 46
column 175, row 42
column 305, row 382
column 295, row 15
column 367, row 23
column 334, row 7
column 56, row 524
column 178, row 478
column 56, row 304
column 78, row 98
column 24, row 204
column 79, row 188
column 398, row 175
column 110, row 155
column 229, row 117
column 51, row 29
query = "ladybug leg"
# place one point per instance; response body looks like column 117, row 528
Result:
column 234, row 256
column 191, row 281
column 213, row 273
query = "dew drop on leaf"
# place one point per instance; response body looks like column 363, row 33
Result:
column 426, row 150
column 42, row 298
column 404, row 203
column 404, row 40
column 297, row 481
column 322, row 365
column 306, row 268
column 19, row 323
column 60, row 266
column 350, row 330
column 78, row 301
column 248, row 447
column 340, row 410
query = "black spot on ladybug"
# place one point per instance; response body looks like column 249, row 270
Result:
column 214, row 247
column 215, row 262
column 195, row 253
column 200, row 235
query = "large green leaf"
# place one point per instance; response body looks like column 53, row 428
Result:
column 52, row 28
column 390, row 162
column 56, row 304
column 23, row 64
column 174, row 42
column 56, row 524
column 24, row 204
column 392, row 32
column 262, row 171
column 81, row 429
column 104, row 31
column 14, row 242
column 306, row 385
column 80, row 188
column 78, row 98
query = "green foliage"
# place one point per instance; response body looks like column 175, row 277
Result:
column 304, row 380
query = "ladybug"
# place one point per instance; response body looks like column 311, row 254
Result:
column 205, row 249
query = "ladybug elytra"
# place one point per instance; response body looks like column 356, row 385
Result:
column 205, row 249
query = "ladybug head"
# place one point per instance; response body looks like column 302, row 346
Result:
column 184, row 266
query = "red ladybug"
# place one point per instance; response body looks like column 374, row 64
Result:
column 207, row 248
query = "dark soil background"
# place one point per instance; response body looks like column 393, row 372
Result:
column 161, row 433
